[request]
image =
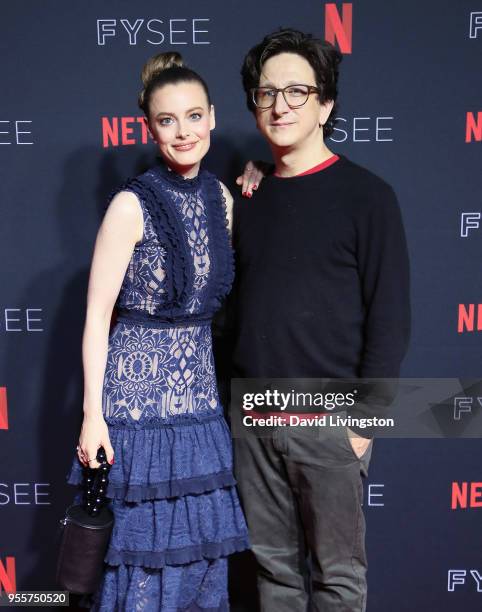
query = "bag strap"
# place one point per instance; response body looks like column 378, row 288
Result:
column 95, row 485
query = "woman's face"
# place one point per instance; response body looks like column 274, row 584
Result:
column 180, row 121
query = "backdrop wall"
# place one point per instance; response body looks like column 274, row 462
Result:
column 410, row 109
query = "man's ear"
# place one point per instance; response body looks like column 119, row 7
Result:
column 212, row 118
column 325, row 110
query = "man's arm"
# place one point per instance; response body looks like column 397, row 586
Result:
column 385, row 284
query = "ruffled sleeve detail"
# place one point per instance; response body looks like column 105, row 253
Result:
column 169, row 234
column 220, row 231
column 155, row 190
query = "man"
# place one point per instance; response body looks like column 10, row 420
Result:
column 322, row 291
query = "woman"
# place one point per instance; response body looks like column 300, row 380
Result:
column 163, row 256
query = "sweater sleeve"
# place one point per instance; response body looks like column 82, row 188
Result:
column 385, row 283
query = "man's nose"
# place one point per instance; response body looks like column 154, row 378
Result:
column 280, row 106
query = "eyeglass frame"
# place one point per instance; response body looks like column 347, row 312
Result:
column 311, row 89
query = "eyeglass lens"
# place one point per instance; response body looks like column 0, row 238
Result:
column 294, row 95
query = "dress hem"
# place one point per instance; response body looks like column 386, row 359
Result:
column 180, row 556
column 165, row 490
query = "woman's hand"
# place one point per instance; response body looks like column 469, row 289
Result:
column 253, row 174
column 93, row 435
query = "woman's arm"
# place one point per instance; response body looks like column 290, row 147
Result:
column 121, row 228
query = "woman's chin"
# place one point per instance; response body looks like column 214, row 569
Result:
column 188, row 159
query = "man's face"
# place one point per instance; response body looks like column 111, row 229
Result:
column 281, row 125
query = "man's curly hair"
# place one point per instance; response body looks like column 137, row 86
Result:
column 321, row 55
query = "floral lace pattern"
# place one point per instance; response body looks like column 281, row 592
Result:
column 192, row 210
column 159, row 372
column 144, row 283
column 168, row 371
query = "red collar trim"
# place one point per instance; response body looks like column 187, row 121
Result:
column 328, row 162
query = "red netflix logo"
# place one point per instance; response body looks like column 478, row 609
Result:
column 338, row 28
column 467, row 321
column 8, row 580
column 473, row 127
column 466, row 495
column 124, row 131
column 3, row 408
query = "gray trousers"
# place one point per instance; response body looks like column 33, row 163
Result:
column 302, row 495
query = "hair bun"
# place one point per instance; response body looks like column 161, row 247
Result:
column 158, row 63
column 163, row 69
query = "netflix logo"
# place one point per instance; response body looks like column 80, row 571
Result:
column 124, row 131
column 466, row 495
column 473, row 127
column 3, row 408
column 470, row 318
column 339, row 27
column 8, row 581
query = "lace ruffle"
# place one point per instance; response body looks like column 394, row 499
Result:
column 220, row 231
column 177, row 531
column 158, row 560
column 154, row 461
column 166, row 225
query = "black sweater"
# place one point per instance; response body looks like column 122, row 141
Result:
column 322, row 277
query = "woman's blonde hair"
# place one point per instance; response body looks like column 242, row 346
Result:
column 163, row 69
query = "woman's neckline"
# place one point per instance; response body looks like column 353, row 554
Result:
column 178, row 179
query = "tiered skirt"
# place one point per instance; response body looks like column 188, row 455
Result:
column 177, row 516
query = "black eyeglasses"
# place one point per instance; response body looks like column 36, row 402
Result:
column 294, row 95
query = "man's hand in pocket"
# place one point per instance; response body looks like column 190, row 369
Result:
column 358, row 444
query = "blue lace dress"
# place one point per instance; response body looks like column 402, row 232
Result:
column 171, row 488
